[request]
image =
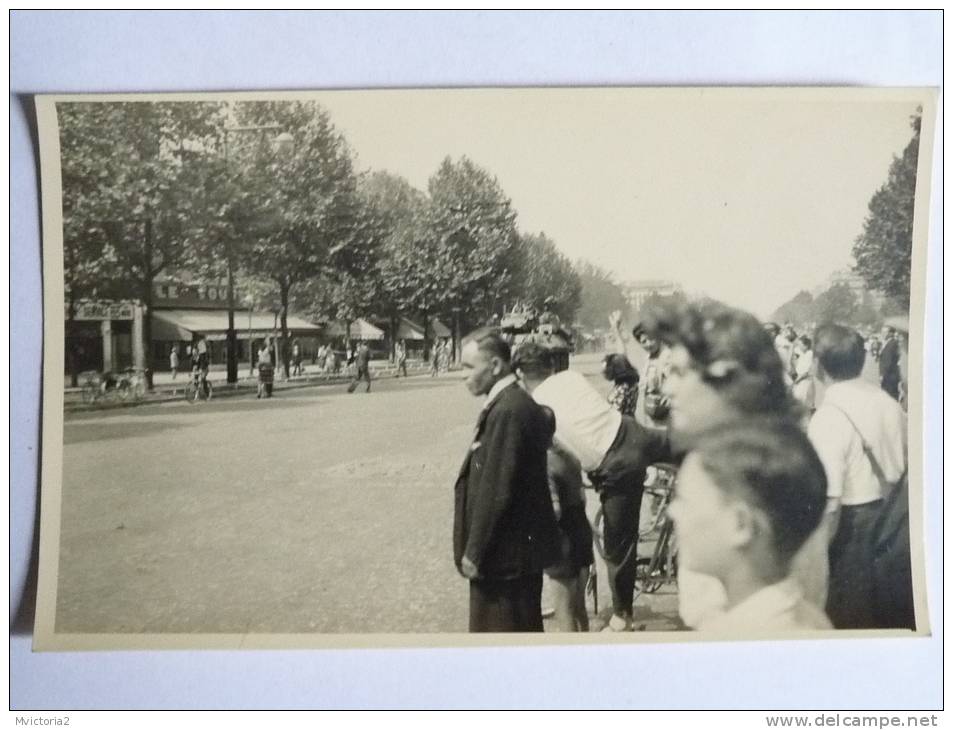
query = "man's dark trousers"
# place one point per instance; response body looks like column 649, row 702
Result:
column 507, row 605
column 362, row 374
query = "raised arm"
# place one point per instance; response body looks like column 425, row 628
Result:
column 626, row 344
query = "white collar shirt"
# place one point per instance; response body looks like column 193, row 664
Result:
column 777, row 607
column 498, row 387
column 586, row 425
column 850, row 476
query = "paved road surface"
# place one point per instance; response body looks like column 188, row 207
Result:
column 315, row 511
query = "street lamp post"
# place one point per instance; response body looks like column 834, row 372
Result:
column 231, row 336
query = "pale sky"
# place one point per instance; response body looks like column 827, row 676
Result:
column 747, row 196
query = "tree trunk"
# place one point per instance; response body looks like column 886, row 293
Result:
column 426, row 336
column 394, row 326
column 147, row 314
column 285, row 290
column 70, row 338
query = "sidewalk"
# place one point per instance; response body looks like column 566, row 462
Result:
column 165, row 389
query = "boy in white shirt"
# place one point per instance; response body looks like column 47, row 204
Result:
column 748, row 496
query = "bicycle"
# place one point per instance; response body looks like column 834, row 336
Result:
column 130, row 383
column 198, row 387
column 661, row 567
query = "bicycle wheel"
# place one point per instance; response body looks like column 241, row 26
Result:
column 652, row 573
column 124, row 390
column 191, row 393
column 208, row 390
column 598, row 536
column 139, row 390
column 90, row 392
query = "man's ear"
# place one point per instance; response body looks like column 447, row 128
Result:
column 747, row 525
column 497, row 368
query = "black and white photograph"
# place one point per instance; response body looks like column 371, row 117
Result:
column 455, row 367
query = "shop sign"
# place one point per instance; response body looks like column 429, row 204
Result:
column 190, row 295
column 100, row 311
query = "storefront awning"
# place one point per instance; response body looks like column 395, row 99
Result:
column 183, row 324
column 361, row 329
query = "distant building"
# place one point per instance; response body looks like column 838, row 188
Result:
column 856, row 284
column 637, row 292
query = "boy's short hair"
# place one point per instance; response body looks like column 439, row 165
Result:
column 770, row 464
column 490, row 342
column 839, row 350
column 533, row 359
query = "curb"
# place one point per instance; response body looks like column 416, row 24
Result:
column 223, row 391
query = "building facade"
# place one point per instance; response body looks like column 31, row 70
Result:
column 638, row 292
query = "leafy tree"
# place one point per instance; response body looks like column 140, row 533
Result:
column 398, row 214
column 473, row 244
column 543, row 273
column 799, row 310
column 131, row 170
column 837, row 304
column 305, row 205
column 883, row 250
column 600, row 295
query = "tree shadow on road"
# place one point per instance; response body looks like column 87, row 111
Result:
column 78, row 433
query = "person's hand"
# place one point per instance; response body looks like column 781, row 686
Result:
column 615, row 320
column 468, row 569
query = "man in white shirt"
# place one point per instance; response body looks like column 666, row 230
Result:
column 857, row 431
column 613, row 449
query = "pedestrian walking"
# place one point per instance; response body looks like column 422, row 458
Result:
column 296, row 368
column 504, row 528
column 362, row 360
column 435, row 359
column 859, row 432
column 266, row 369
column 401, row 359
column 174, row 360
column 613, row 449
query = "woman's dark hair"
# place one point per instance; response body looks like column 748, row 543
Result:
column 617, row 368
column 772, row 465
column 731, row 350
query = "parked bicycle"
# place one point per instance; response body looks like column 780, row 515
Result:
column 125, row 385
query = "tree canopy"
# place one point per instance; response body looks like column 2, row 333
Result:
column 883, row 249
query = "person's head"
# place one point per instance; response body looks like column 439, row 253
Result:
column 839, row 352
column 772, row 329
column 723, row 366
column 617, row 369
column 650, row 343
column 533, row 363
column 485, row 359
column 887, row 332
column 789, row 334
column 752, row 492
column 802, row 344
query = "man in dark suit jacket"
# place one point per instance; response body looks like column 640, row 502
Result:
column 890, row 364
column 504, row 527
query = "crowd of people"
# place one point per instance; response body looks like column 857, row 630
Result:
column 790, row 506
